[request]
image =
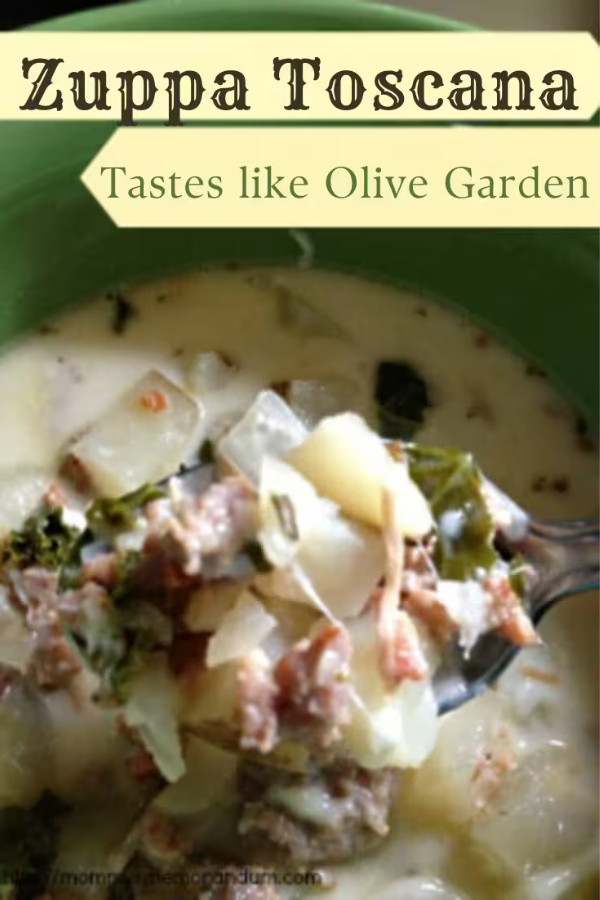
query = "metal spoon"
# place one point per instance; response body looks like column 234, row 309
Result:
column 566, row 559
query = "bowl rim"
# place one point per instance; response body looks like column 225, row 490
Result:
column 343, row 15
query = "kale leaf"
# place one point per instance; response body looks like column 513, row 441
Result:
column 452, row 483
column 44, row 540
column 402, row 399
column 106, row 515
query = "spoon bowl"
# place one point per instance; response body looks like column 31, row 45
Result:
column 564, row 559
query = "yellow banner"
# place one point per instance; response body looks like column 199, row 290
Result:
column 299, row 76
column 348, row 177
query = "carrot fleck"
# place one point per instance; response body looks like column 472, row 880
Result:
column 154, row 401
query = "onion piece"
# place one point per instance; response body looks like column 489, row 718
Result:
column 242, row 629
column 314, row 400
column 269, row 428
column 153, row 709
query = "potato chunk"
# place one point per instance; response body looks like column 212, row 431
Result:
column 347, row 462
column 144, row 437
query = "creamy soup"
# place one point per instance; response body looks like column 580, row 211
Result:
column 506, row 804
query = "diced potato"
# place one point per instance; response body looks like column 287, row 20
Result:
column 210, row 778
column 211, row 696
column 388, row 728
column 20, row 493
column 209, row 604
column 143, row 438
column 269, row 428
column 241, row 630
column 347, row 462
column 153, row 709
column 344, row 561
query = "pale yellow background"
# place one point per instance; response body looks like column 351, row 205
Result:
column 253, row 54
column 312, row 152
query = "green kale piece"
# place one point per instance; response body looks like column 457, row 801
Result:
column 44, row 540
column 106, row 516
column 452, row 482
column 403, row 399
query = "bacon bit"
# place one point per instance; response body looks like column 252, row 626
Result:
column 54, row 497
column 507, row 613
column 313, row 682
column 539, row 675
column 425, row 606
column 401, row 653
column 256, row 700
column 141, row 765
column 154, row 401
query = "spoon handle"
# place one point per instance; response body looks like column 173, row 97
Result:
column 566, row 556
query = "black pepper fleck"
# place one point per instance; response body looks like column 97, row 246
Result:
column 481, row 340
column 122, row 313
column 421, row 311
column 560, row 485
column 540, row 483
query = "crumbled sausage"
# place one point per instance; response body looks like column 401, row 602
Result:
column 313, row 683
column 256, row 700
column 360, row 802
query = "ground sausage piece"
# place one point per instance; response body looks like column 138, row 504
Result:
column 359, row 802
column 218, row 522
column 54, row 661
column 256, row 700
column 313, row 683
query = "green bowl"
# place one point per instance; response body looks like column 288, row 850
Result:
column 537, row 288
